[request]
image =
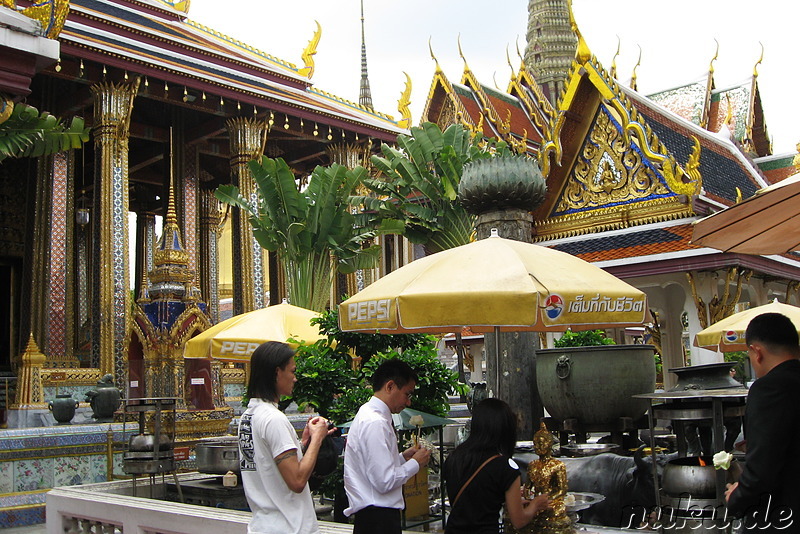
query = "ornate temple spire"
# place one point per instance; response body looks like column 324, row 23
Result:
column 364, row 95
column 171, row 277
column 552, row 45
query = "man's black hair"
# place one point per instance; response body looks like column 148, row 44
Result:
column 774, row 330
column 264, row 364
column 397, row 370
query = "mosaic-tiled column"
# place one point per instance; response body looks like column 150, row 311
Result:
column 190, row 208
column 209, row 254
column 249, row 285
column 60, row 330
column 113, row 103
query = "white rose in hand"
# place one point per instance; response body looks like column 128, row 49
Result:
column 722, row 460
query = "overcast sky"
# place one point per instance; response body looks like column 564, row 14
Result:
column 676, row 38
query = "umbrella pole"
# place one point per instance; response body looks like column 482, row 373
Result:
column 497, row 360
column 460, row 360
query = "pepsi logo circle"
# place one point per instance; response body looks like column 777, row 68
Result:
column 553, row 306
column 731, row 336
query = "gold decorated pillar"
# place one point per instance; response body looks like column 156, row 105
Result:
column 247, row 137
column 113, row 104
column 209, row 254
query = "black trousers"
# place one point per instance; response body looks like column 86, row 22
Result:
column 377, row 520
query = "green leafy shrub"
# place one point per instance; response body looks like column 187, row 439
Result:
column 586, row 338
column 323, row 375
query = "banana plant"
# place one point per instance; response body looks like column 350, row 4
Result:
column 28, row 133
column 314, row 231
column 419, row 184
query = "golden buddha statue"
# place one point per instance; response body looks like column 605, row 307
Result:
column 547, row 475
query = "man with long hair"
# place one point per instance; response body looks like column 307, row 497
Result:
column 275, row 470
column 766, row 494
column 374, row 469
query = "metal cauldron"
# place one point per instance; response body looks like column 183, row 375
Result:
column 217, row 456
column 595, row 385
column 685, row 476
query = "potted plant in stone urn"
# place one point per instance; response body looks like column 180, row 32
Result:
column 589, row 378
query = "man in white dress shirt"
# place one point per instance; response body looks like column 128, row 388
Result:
column 374, row 469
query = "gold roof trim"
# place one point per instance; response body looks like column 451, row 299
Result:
column 542, row 110
column 612, row 218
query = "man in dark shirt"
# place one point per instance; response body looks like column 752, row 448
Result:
column 767, row 497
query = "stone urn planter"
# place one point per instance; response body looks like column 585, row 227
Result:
column 104, row 399
column 595, row 385
column 63, row 408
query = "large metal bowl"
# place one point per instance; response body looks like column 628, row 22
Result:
column 685, row 476
column 217, row 456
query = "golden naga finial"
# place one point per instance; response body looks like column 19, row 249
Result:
column 505, row 125
column 796, row 159
column 433, row 57
column 738, row 195
column 403, row 103
column 633, row 75
column 693, row 165
column 479, row 128
column 308, row 53
column 461, row 54
column 510, row 66
column 519, row 54
column 51, row 14
column 613, row 72
column 713, row 59
column 582, row 53
column 760, row 59
column 729, row 112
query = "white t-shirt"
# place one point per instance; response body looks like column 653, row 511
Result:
column 264, row 433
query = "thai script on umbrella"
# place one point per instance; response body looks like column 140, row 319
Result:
column 605, row 304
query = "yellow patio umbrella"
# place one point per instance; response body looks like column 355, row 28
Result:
column 494, row 284
column 727, row 335
column 766, row 223
column 236, row 338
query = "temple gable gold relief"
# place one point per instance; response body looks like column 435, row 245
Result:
column 608, row 170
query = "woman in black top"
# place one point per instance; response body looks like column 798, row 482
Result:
column 477, row 510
